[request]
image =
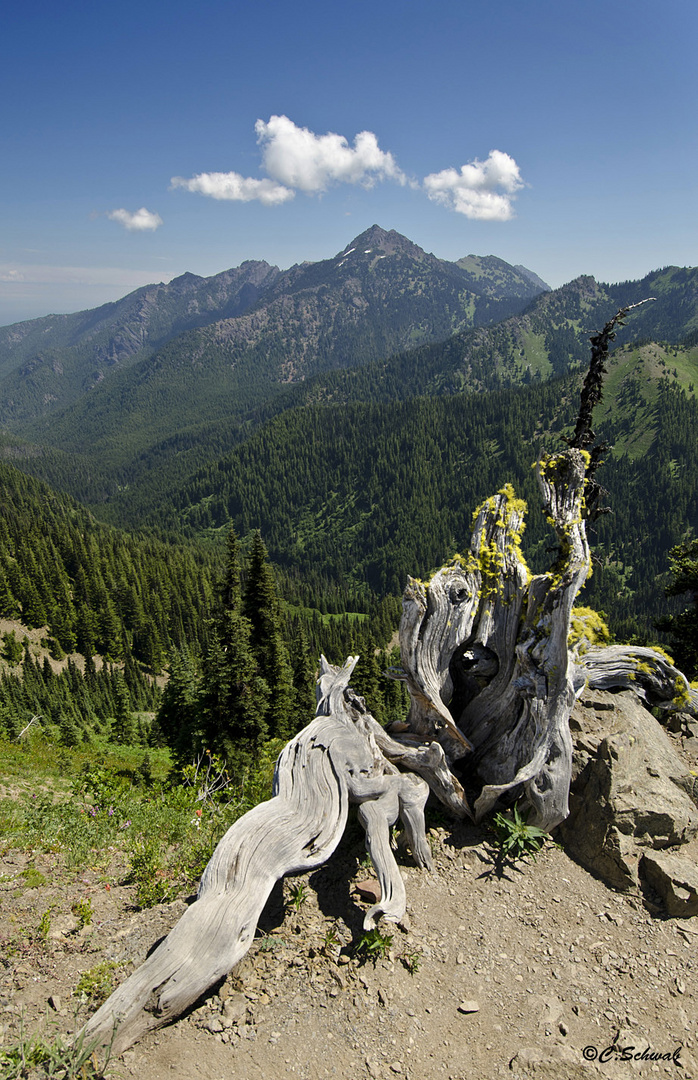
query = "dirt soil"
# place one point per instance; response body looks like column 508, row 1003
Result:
column 535, row 969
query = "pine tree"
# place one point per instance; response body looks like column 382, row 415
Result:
column 234, row 697
column 303, row 678
column 179, row 717
column 261, row 607
column 123, row 729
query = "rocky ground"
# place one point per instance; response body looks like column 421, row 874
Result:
column 532, row 969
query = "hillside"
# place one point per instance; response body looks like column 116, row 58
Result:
column 46, row 364
column 312, row 416
column 95, row 589
column 244, row 331
column 368, row 493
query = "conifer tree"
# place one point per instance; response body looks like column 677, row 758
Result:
column 124, row 729
column 303, row 678
column 235, row 697
column 179, row 718
column 261, row 607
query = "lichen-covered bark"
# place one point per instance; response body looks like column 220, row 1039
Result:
column 484, row 647
column 649, row 672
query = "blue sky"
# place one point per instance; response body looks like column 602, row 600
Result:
column 121, row 123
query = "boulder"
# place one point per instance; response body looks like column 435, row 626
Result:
column 675, row 879
column 629, row 790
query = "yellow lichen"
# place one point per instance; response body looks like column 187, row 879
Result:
column 587, row 627
column 682, row 696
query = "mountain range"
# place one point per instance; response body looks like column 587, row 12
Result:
column 292, row 400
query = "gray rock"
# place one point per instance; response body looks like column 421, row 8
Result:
column 629, row 789
column 675, row 879
column 235, row 1007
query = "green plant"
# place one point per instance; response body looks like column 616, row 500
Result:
column 95, row 986
column 146, row 871
column 267, row 943
column 43, row 1057
column 33, row 878
column 412, row 961
column 82, row 909
column 515, row 837
column 330, row 940
column 298, row 895
column 374, row 945
column 45, row 924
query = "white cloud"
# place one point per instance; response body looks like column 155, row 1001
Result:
column 482, row 190
column 300, row 159
column 139, row 221
column 296, row 159
column 232, row 186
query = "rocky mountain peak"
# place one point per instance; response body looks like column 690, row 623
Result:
column 379, row 241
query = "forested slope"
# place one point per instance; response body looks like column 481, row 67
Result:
column 96, row 589
column 371, row 493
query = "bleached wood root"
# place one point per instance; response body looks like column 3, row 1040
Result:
column 332, row 762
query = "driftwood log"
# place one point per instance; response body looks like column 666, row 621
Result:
column 492, row 679
column 333, row 762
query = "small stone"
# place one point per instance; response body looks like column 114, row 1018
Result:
column 235, row 1007
column 214, row 1025
column 469, row 1006
column 57, row 1005
column 396, row 1066
column 369, row 890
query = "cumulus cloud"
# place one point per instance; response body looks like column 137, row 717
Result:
column 232, row 186
column 139, row 221
column 299, row 158
column 296, row 159
column 482, row 190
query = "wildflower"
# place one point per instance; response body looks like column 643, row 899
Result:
column 125, row 824
column 111, row 811
column 198, row 813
